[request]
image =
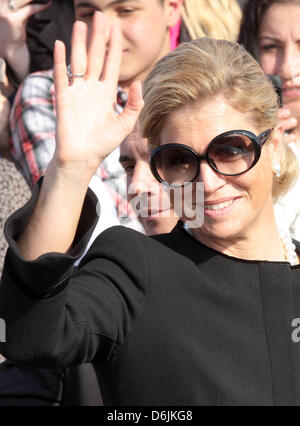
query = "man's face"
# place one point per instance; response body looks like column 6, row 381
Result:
column 145, row 194
column 145, row 27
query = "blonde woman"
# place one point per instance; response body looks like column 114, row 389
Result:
column 218, row 19
column 205, row 315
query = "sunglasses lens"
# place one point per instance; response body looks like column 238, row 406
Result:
column 176, row 166
column 232, row 154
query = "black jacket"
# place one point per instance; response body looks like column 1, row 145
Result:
column 74, row 386
column 44, row 28
column 164, row 320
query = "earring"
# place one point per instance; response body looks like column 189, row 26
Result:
column 277, row 170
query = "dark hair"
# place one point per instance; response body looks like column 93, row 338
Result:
column 252, row 16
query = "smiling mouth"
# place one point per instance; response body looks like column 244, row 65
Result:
column 219, row 206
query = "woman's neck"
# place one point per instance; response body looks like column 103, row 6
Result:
column 260, row 248
column 260, row 241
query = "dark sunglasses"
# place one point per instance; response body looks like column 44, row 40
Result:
column 231, row 154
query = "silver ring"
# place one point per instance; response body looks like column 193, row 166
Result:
column 12, row 5
column 71, row 75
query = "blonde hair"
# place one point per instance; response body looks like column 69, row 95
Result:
column 219, row 19
column 203, row 69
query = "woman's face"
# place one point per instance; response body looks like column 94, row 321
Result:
column 233, row 205
column 145, row 28
column 279, row 48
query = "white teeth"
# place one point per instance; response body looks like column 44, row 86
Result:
column 219, row 206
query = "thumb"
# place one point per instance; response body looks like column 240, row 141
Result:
column 133, row 108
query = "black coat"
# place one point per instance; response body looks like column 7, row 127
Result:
column 74, row 386
column 44, row 28
column 164, row 320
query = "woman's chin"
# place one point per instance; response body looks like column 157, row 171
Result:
column 228, row 232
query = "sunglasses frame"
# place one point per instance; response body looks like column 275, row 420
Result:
column 258, row 142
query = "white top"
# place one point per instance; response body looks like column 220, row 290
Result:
column 105, row 209
column 287, row 208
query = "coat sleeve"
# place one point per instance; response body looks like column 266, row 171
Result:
column 23, row 386
column 57, row 316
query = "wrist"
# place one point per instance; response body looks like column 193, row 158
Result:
column 15, row 49
column 18, row 58
column 73, row 175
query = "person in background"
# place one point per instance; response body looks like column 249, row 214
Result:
column 28, row 31
column 148, row 198
column 270, row 31
column 209, row 18
column 242, row 3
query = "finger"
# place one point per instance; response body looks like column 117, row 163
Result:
column 96, row 52
column 25, row 12
column 133, row 108
column 61, row 81
column 78, row 52
column 289, row 123
column 290, row 138
column 114, row 56
column 22, row 3
column 284, row 113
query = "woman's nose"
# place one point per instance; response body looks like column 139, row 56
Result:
column 211, row 179
column 289, row 65
column 142, row 178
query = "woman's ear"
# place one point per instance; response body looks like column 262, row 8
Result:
column 173, row 9
column 275, row 143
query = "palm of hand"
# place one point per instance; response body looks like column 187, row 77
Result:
column 85, row 113
column 88, row 127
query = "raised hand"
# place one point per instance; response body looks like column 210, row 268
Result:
column 14, row 15
column 88, row 128
column 13, row 19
